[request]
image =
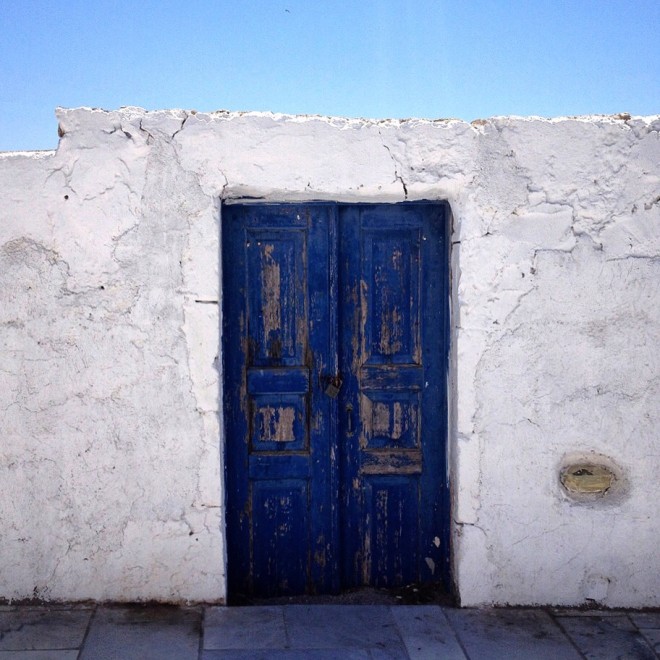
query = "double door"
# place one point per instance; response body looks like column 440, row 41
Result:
column 335, row 363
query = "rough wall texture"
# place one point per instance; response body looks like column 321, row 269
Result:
column 110, row 441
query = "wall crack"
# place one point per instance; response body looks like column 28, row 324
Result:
column 397, row 176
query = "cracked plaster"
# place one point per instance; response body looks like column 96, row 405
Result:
column 109, row 334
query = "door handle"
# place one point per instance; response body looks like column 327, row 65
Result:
column 349, row 417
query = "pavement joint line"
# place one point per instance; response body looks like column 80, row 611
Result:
column 87, row 629
column 571, row 641
column 398, row 630
column 456, row 635
column 202, row 633
column 287, row 634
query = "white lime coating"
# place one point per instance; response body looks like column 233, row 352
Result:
column 111, row 443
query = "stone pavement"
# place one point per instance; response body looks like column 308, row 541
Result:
column 322, row 631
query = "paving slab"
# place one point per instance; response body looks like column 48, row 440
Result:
column 604, row 637
column 42, row 629
column 38, row 655
column 645, row 619
column 649, row 626
column 652, row 637
column 570, row 611
column 521, row 633
column 383, row 654
column 244, row 628
column 347, row 627
column 297, row 654
column 148, row 633
column 426, row 633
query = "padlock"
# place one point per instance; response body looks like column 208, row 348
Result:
column 333, row 387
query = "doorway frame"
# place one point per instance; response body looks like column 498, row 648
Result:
column 449, row 304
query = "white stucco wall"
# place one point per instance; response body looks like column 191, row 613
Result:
column 110, row 440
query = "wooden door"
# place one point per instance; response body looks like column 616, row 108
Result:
column 278, row 349
column 334, row 343
column 393, row 353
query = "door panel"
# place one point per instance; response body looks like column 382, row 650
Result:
column 278, row 349
column 390, row 284
column 325, row 488
column 281, row 537
column 390, row 553
column 393, row 354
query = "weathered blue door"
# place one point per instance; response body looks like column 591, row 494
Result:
column 335, row 345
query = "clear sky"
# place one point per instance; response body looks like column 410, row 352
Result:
column 371, row 58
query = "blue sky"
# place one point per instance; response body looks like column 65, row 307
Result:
column 385, row 58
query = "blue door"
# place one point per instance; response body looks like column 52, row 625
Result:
column 335, row 345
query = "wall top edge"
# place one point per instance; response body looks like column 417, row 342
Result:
column 134, row 112
column 36, row 155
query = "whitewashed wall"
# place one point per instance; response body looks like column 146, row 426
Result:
column 110, row 440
